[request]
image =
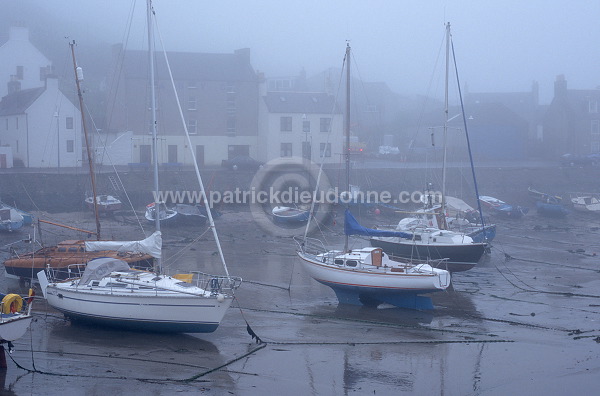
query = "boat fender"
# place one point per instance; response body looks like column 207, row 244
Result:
column 220, row 297
column 12, row 303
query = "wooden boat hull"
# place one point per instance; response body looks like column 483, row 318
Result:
column 460, row 257
column 59, row 258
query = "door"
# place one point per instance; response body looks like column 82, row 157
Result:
column 200, row 155
column 145, row 154
column 2, row 160
column 172, row 154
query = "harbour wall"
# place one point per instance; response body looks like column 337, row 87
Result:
column 51, row 191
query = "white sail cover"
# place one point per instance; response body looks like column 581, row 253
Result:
column 151, row 245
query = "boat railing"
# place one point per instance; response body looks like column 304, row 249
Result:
column 216, row 283
column 71, row 271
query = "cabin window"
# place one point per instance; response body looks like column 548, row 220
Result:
column 417, row 237
column 351, row 263
column 95, row 283
column 62, row 249
column 73, row 249
column 338, row 262
column 285, row 124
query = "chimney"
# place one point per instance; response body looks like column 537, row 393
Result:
column 14, row 85
column 560, row 86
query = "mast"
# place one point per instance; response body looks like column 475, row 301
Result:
column 443, row 224
column 78, row 78
column 154, row 134
column 347, row 133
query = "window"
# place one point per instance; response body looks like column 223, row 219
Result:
column 306, row 126
column 20, row 72
column 192, row 126
column 286, row 124
column 192, row 103
column 69, row 122
column 593, row 106
column 325, row 124
column 325, row 150
column 595, row 129
column 286, row 149
column 231, row 126
column 70, row 146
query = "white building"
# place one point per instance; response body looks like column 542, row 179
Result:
column 300, row 124
column 22, row 66
column 42, row 126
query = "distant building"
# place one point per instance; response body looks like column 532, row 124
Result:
column 42, row 127
column 219, row 96
column 22, row 66
column 572, row 121
column 520, row 110
column 300, row 124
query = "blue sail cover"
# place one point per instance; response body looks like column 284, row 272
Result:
column 352, row 227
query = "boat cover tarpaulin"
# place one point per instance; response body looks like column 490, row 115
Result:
column 151, row 245
column 352, row 227
column 98, row 268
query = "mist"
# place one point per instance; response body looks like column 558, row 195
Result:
column 500, row 46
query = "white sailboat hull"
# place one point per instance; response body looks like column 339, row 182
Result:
column 147, row 311
column 375, row 280
column 14, row 326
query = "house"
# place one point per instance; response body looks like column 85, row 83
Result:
column 42, row 126
column 572, row 122
column 22, row 66
column 300, row 124
column 517, row 106
column 219, row 96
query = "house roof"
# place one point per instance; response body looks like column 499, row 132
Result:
column 301, row 102
column 18, row 102
column 194, row 66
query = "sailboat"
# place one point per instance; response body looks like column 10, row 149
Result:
column 10, row 218
column 15, row 317
column 428, row 235
column 367, row 275
column 105, row 203
column 110, row 293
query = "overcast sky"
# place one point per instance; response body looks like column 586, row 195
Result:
column 501, row 46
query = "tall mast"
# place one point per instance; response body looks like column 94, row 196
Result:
column 154, row 134
column 87, row 143
column 443, row 224
column 347, row 132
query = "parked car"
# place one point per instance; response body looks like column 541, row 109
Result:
column 242, row 163
column 577, row 160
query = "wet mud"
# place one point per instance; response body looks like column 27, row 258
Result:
column 525, row 320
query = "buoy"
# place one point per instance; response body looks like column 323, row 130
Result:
column 377, row 212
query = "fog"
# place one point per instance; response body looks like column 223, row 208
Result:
column 500, row 46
